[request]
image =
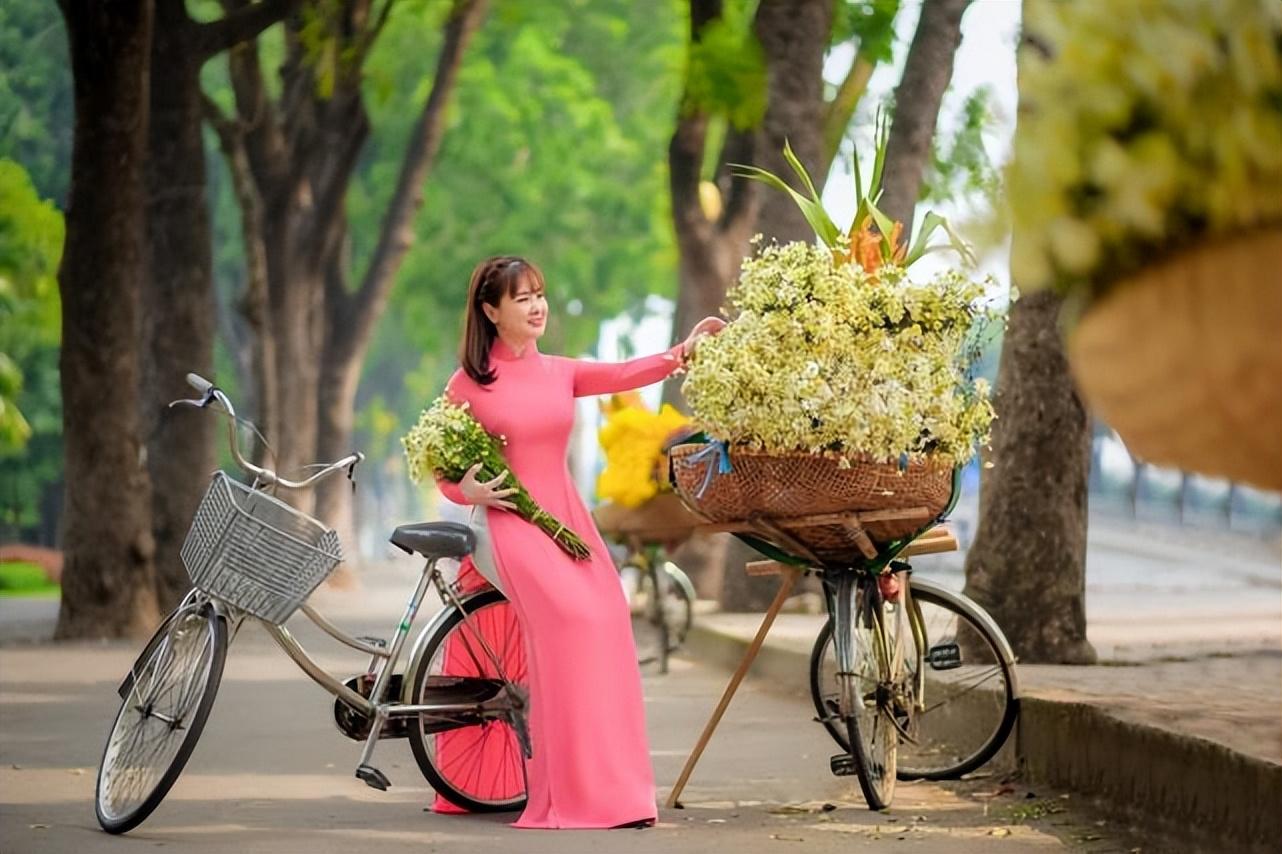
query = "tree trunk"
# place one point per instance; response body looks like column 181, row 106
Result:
column 1027, row 565
column 108, row 583
column 351, row 318
column 927, row 72
column 179, row 315
column 178, row 300
column 794, row 35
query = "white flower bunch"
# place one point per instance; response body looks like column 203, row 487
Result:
column 1143, row 125
column 828, row 358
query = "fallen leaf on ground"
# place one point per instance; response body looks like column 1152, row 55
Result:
column 999, row 831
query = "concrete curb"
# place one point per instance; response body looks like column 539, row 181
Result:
column 1178, row 782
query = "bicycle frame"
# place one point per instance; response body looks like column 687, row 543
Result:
column 366, row 705
column 372, row 705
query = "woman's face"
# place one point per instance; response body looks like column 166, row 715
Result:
column 522, row 315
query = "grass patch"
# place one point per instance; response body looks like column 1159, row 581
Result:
column 25, row 579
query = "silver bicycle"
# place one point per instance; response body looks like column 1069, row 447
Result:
column 460, row 700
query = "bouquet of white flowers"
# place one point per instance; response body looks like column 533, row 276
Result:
column 447, row 441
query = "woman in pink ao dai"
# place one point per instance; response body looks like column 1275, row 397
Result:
column 591, row 760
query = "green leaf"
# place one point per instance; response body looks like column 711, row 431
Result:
column 795, row 163
column 929, row 223
column 881, row 135
column 859, row 184
column 814, row 213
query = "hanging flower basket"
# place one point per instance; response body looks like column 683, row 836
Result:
column 784, row 486
column 1184, row 359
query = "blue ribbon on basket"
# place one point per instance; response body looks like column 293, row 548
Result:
column 715, row 449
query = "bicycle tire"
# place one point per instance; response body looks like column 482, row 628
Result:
column 977, row 626
column 147, row 691
column 873, row 738
column 424, row 744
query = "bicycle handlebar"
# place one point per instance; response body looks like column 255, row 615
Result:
column 210, row 393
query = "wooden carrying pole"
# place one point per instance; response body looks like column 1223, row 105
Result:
column 767, row 567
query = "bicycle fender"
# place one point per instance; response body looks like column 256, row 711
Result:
column 420, row 642
column 982, row 616
column 683, row 581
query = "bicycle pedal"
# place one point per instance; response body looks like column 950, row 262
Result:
column 373, row 777
column 842, row 765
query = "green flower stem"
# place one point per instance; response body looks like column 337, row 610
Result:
column 529, row 510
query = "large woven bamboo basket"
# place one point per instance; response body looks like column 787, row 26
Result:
column 789, row 486
column 1184, row 360
column 662, row 519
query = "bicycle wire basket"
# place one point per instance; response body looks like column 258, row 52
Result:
column 256, row 552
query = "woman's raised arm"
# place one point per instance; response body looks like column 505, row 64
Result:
column 609, row 377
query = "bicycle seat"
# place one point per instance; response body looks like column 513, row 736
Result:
column 435, row 539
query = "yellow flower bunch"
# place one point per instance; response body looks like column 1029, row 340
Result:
column 632, row 438
column 827, row 358
column 1143, row 125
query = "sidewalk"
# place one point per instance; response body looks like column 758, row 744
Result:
column 271, row 774
column 1183, row 721
column 1183, row 717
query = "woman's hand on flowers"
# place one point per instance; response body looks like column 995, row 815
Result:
column 485, row 493
column 707, row 326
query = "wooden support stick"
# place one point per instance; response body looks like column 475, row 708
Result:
column 860, row 536
column 908, row 514
column 766, row 567
column 931, row 546
column 785, row 589
column 863, row 517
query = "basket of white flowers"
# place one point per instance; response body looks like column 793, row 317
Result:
column 1146, row 187
column 841, row 383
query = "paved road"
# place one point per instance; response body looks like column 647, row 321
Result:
column 272, row 774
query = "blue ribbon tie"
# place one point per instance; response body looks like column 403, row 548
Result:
column 721, row 451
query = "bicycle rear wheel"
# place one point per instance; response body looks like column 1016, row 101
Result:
column 970, row 702
column 162, row 714
column 970, row 699
column 476, row 764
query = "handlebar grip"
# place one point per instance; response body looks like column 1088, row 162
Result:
column 199, row 383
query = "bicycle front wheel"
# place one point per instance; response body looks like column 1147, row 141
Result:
column 475, row 763
column 162, row 714
column 866, row 692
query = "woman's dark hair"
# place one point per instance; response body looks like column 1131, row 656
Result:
column 493, row 279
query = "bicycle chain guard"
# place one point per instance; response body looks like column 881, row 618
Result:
column 356, row 724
